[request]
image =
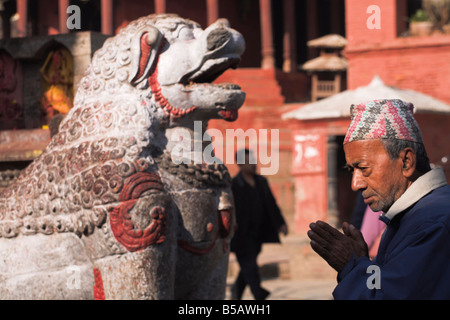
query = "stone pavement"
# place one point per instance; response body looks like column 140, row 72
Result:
column 287, row 289
column 290, row 271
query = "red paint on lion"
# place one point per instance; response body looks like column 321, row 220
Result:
column 156, row 87
column 99, row 292
column 145, row 55
column 123, row 228
column 195, row 250
column 224, row 229
column 225, row 223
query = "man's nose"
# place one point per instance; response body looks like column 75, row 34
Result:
column 358, row 182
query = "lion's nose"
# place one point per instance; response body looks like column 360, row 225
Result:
column 217, row 38
column 222, row 22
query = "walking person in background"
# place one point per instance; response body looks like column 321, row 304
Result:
column 259, row 220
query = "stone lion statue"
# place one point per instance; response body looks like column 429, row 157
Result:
column 106, row 212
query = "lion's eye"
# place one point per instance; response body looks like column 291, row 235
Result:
column 196, row 32
column 185, row 34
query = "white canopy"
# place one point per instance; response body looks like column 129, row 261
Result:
column 338, row 105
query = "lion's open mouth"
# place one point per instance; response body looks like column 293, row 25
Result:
column 209, row 72
column 229, row 115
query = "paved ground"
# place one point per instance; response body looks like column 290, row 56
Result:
column 286, row 289
column 290, row 271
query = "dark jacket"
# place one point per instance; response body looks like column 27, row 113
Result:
column 271, row 217
column 413, row 257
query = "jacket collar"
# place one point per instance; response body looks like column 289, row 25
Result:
column 426, row 183
column 240, row 180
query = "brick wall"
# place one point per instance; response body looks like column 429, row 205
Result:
column 417, row 63
column 356, row 18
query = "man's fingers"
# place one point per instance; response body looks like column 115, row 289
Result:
column 334, row 259
column 345, row 228
column 359, row 244
column 352, row 232
column 320, row 250
column 318, row 244
column 329, row 229
column 324, row 230
column 318, row 239
column 333, row 246
column 356, row 234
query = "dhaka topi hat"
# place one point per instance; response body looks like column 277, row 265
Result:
column 383, row 119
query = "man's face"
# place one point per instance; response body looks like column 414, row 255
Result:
column 379, row 178
column 248, row 167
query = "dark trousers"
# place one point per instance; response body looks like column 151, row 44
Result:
column 249, row 274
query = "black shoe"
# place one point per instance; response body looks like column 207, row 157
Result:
column 262, row 295
column 235, row 295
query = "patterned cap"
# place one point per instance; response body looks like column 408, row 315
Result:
column 383, row 119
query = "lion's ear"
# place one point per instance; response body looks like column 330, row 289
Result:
column 147, row 44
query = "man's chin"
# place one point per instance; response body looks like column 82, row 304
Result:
column 377, row 207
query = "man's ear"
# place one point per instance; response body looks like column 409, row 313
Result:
column 409, row 160
column 146, row 46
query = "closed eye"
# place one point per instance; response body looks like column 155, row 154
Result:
column 348, row 168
